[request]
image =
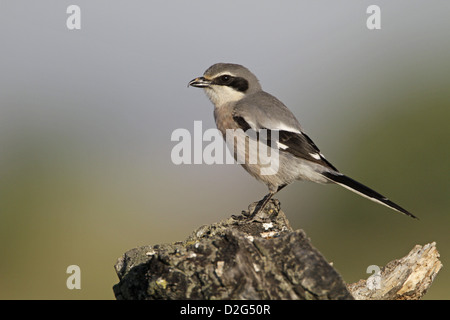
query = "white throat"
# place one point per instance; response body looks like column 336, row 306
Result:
column 220, row 95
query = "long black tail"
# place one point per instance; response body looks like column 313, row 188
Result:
column 364, row 191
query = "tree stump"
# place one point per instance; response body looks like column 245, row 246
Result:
column 238, row 258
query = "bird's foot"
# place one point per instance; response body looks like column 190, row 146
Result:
column 259, row 213
column 245, row 215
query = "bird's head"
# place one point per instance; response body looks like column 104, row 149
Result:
column 226, row 82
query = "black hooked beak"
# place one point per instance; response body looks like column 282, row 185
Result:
column 200, row 82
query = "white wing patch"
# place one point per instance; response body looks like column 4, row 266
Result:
column 315, row 156
column 281, row 146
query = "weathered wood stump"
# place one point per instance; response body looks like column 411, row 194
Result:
column 238, row 258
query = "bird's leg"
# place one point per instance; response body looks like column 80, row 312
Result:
column 261, row 204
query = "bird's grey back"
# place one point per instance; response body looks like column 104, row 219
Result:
column 257, row 108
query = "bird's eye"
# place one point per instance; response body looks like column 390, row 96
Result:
column 225, row 78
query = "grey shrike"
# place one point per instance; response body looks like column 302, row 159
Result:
column 240, row 103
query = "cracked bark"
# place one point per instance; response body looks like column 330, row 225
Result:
column 263, row 258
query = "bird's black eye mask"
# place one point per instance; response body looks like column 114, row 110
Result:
column 237, row 83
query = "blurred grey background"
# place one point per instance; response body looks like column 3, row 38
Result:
column 86, row 118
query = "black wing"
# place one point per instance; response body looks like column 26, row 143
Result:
column 301, row 146
column 297, row 144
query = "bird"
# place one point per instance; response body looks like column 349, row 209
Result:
column 241, row 103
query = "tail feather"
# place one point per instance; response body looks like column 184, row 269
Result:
column 364, row 191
